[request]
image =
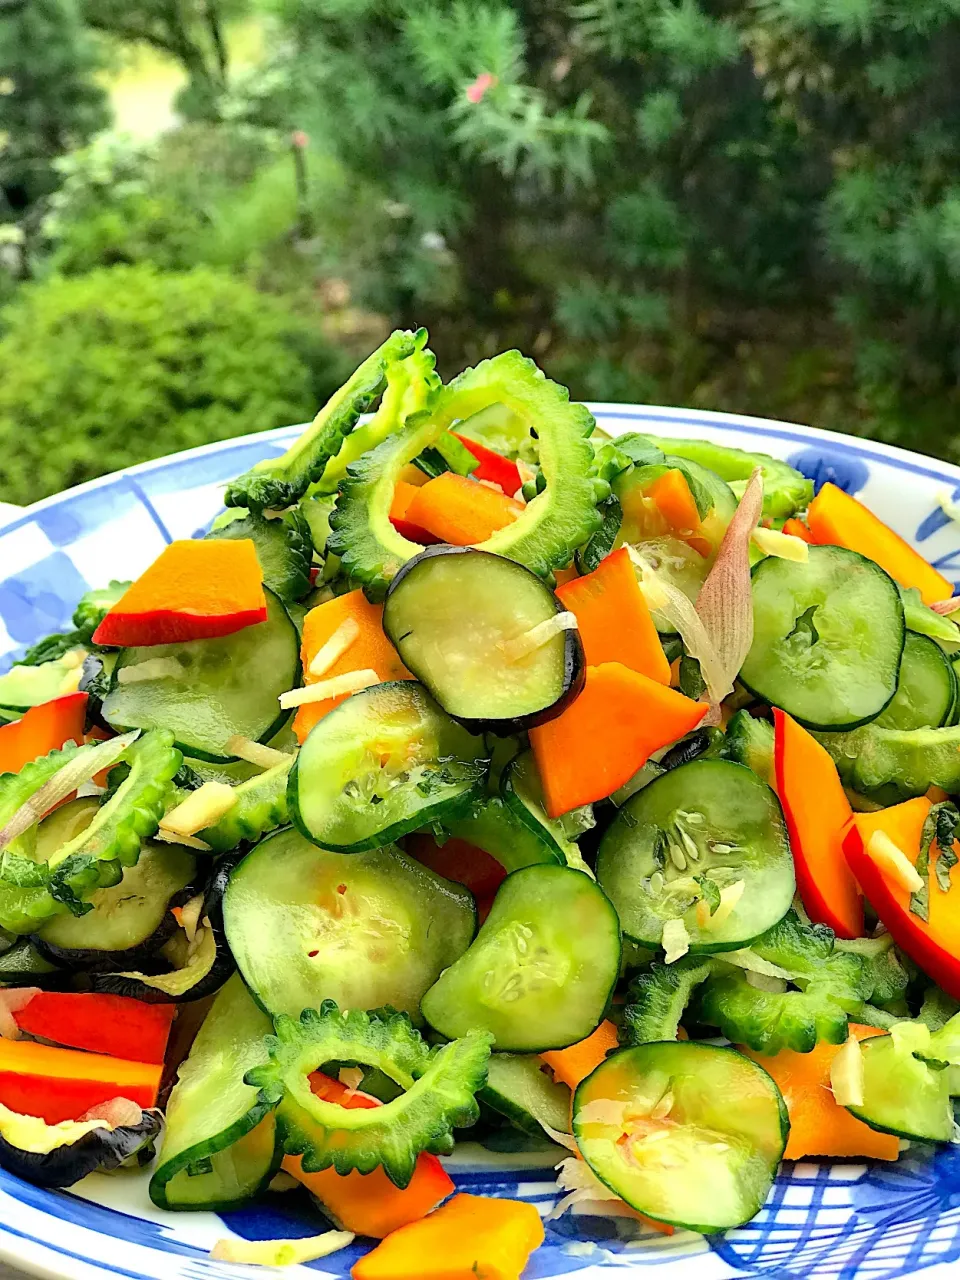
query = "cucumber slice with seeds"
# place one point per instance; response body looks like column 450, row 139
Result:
column 542, row 968
column 226, row 687
column 926, row 690
column 366, row 929
column 707, row 823
column 383, row 763
column 686, row 1133
column 459, row 619
column 828, row 638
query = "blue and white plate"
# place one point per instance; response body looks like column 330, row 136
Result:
column 835, row 1221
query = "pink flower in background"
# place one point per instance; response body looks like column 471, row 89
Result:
column 483, row 82
column 299, row 139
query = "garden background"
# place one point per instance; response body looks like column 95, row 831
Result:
column 209, row 209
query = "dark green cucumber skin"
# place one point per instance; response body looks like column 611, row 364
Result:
column 165, row 1172
column 139, row 955
column 580, row 1098
column 449, row 807
column 501, row 1101
column 764, row 566
column 574, row 665
column 541, row 870
column 139, row 988
column 921, row 650
column 523, row 813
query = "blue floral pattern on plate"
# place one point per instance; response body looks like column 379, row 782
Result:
column 833, row 1222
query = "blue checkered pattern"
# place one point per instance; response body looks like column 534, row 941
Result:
column 839, row 1222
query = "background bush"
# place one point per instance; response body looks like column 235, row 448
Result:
column 128, row 363
column 740, row 204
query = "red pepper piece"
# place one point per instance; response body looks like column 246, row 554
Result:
column 492, row 466
column 114, row 1025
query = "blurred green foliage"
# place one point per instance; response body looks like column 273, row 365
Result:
column 50, row 101
column 739, row 204
column 129, row 362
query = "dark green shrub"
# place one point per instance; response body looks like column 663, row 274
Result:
column 124, row 364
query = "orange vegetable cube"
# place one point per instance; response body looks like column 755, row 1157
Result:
column 370, row 648
column 575, row 1063
column 613, row 618
column 469, row 1238
column 819, row 1126
column 461, row 511
column 612, row 728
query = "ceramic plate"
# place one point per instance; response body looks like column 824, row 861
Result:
column 836, row 1221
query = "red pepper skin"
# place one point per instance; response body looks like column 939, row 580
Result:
column 63, row 1084
column 42, row 729
column 114, row 1025
column 933, row 944
column 461, row 861
column 493, row 466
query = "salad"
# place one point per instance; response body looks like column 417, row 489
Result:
column 480, row 778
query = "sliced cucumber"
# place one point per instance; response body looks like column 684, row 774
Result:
column 238, row 771
column 196, row 966
column 496, row 829
column 926, row 690
column 519, row 1087
column 453, row 614
column 24, row 687
column 749, row 741
column 902, row 1093
column 228, row 687
column 283, row 545
column 383, row 763
column 695, row 832
column 219, row 1146
column 542, row 968
column 522, row 793
column 130, row 921
column 681, row 566
column 686, row 1133
column 366, row 929
column 642, row 520
column 828, row 637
